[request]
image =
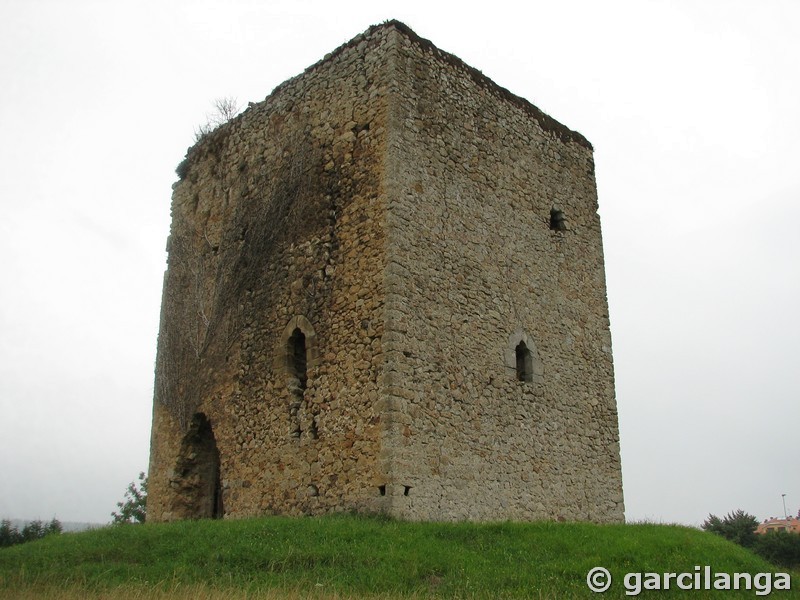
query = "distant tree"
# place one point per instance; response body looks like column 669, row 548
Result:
column 133, row 508
column 737, row 526
column 9, row 534
column 54, row 526
column 34, row 530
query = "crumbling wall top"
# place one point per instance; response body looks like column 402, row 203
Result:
column 547, row 122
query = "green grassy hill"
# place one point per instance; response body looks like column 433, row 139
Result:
column 359, row 557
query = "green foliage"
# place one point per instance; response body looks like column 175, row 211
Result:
column 10, row 535
column 354, row 556
column 779, row 547
column 737, row 526
column 133, row 509
column 183, row 168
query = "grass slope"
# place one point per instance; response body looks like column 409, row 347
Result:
column 349, row 556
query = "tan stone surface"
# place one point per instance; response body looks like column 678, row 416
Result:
column 394, row 206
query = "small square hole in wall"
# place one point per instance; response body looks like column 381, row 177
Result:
column 382, row 490
column 557, row 221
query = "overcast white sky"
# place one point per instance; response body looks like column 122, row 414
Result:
column 694, row 112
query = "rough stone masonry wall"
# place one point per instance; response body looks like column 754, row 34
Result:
column 279, row 222
column 395, row 206
column 474, row 267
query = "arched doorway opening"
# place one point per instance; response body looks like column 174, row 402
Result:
column 197, row 475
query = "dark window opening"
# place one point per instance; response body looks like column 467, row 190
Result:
column 406, row 490
column 524, row 363
column 298, row 358
column 382, row 490
column 557, row 222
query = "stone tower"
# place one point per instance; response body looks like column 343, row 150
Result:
column 386, row 293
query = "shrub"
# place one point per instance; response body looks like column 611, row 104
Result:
column 737, row 526
column 183, row 168
column 224, row 110
column 779, row 547
column 133, row 508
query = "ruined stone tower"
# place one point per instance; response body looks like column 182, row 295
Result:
column 386, row 293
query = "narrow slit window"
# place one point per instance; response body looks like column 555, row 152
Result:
column 298, row 357
column 524, row 363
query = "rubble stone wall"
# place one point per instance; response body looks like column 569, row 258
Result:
column 385, row 293
column 277, row 225
column 494, row 239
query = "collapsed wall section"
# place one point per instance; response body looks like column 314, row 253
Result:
column 502, row 389
column 272, row 316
